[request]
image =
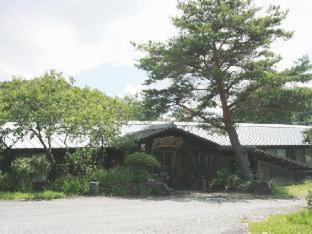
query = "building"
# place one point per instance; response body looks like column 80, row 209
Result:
column 188, row 153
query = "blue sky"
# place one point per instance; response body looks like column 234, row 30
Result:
column 113, row 79
column 90, row 39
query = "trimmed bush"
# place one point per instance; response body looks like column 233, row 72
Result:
column 218, row 183
column 142, row 161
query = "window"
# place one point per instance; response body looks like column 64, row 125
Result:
column 277, row 151
column 281, row 152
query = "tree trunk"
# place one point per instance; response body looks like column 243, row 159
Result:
column 240, row 154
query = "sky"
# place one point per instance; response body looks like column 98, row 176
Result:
column 90, row 39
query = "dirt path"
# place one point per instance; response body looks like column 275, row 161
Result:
column 189, row 213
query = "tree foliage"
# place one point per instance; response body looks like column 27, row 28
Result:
column 219, row 59
column 50, row 106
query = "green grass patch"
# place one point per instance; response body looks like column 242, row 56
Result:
column 292, row 191
column 299, row 223
column 45, row 195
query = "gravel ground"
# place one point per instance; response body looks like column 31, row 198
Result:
column 183, row 213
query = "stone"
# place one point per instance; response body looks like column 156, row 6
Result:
column 94, row 188
column 260, row 187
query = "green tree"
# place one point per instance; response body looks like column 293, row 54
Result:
column 220, row 56
column 37, row 106
column 140, row 109
column 97, row 116
column 277, row 105
column 51, row 108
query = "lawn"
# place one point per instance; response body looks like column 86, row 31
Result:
column 292, row 191
column 299, row 222
column 45, row 195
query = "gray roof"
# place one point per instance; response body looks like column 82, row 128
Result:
column 28, row 141
column 249, row 134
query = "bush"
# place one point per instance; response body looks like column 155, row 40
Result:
column 71, row 185
column 234, row 183
column 81, row 162
column 118, row 180
column 7, row 183
column 142, row 161
column 219, row 182
column 31, row 167
column 309, row 200
column 144, row 190
column 115, row 177
column 223, row 181
column 25, row 169
column 119, row 190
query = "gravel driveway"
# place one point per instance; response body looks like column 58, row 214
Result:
column 184, row 213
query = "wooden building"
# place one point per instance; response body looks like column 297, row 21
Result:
column 189, row 154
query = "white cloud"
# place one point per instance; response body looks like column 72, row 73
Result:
column 79, row 35
column 131, row 89
column 73, row 36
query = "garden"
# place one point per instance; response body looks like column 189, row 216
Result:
column 32, row 177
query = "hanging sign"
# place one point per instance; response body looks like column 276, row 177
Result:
column 167, row 142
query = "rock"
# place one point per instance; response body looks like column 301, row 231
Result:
column 260, row 187
column 159, row 188
column 94, row 188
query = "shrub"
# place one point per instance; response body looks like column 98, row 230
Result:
column 25, row 169
column 117, row 176
column 309, row 200
column 119, row 190
column 142, row 161
column 224, row 181
column 234, row 183
column 31, row 167
column 144, row 190
column 7, row 182
column 81, row 162
column 219, row 182
column 71, row 185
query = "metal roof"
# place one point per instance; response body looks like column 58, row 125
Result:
column 249, row 134
column 28, row 141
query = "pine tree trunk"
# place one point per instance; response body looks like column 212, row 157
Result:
column 240, row 154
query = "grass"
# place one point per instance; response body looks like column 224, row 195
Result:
column 45, row 195
column 292, row 191
column 299, row 223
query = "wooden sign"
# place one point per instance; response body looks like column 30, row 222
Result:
column 167, row 142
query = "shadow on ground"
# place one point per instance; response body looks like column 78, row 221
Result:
column 217, row 198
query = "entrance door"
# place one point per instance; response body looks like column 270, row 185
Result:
column 166, row 159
